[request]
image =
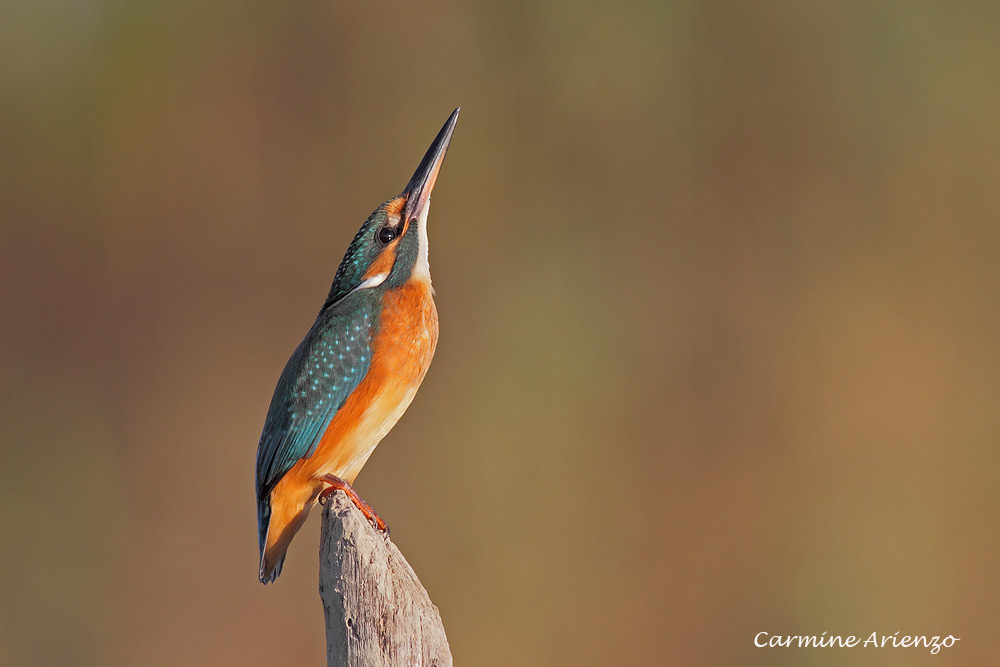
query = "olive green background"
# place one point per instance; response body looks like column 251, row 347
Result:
column 718, row 288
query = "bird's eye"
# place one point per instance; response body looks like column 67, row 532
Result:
column 386, row 234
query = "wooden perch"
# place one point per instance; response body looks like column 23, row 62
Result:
column 377, row 612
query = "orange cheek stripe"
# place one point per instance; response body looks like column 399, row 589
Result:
column 383, row 263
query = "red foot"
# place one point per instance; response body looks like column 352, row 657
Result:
column 336, row 484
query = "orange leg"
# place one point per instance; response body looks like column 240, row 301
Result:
column 336, row 484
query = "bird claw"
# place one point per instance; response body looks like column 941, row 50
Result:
column 379, row 525
column 336, row 483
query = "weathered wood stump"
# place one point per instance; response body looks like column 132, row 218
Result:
column 377, row 612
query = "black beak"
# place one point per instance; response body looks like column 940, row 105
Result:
column 418, row 190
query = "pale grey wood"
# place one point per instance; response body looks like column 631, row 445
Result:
column 377, row 612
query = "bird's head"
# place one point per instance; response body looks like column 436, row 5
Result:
column 390, row 249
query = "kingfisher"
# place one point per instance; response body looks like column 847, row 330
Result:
column 357, row 369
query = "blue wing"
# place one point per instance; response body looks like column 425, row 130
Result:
column 324, row 370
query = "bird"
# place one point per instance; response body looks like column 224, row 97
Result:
column 356, row 371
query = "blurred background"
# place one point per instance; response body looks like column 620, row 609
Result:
column 718, row 288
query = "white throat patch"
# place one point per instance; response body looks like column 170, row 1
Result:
column 421, row 268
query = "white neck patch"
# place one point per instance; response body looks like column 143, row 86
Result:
column 373, row 281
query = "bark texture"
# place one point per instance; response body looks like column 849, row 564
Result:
column 377, row 612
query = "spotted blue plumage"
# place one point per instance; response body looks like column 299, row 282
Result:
column 324, row 370
column 321, row 374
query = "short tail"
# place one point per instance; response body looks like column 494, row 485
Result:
column 270, row 562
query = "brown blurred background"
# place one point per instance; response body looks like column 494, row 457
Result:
column 718, row 288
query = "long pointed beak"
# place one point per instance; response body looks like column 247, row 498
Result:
column 418, row 190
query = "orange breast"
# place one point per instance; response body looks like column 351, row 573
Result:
column 401, row 353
